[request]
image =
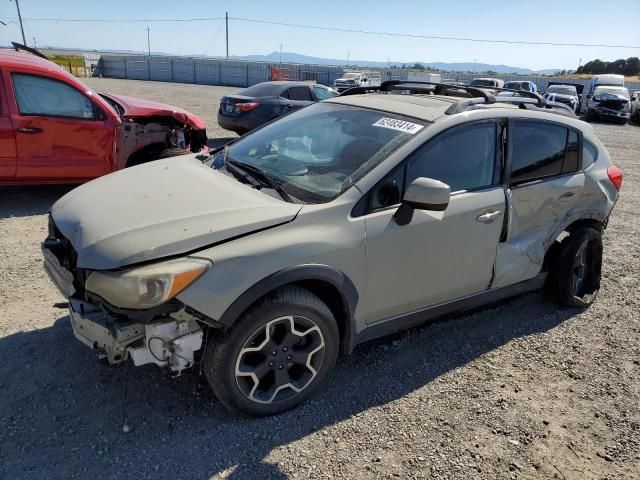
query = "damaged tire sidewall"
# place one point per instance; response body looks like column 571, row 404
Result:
column 569, row 250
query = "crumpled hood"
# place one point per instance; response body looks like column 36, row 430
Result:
column 609, row 97
column 162, row 208
column 138, row 107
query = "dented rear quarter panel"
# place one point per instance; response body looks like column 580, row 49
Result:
column 539, row 212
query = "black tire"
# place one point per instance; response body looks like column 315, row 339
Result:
column 172, row 152
column 229, row 362
column 574, row 277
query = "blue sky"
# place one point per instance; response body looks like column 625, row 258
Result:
column 585, row 21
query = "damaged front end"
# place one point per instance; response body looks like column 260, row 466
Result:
column 141, row 140
column 168, row 335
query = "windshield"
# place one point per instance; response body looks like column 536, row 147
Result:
column 350, row 76
column 319, row 151
column 612, row 90
column 483, row 83
column 516, row 86
column 562, row 90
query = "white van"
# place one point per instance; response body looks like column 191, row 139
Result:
column 357, row 79
column 610, row 80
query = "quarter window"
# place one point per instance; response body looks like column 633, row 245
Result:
column 44, row 96
column 589, row 155
column 538, row 150
column 463, row 158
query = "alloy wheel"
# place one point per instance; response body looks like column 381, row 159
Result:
column 280, row 359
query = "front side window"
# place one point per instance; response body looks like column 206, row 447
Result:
column 322, row 93
column 37, row 95
column 537, row 150
column 319, row 151
column 464, row 158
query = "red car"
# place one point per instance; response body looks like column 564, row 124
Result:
column 53, row 129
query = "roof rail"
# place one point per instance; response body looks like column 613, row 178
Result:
column 480, row 96
column 390, row 85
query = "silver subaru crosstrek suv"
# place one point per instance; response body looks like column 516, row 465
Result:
column 345, row 221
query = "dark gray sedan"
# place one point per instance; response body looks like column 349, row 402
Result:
column 260, row 103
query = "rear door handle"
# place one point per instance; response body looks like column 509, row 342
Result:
column 488, row 217
column 30, row 130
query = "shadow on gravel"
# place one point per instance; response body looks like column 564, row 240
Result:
column 28, row 201
column 62, row 412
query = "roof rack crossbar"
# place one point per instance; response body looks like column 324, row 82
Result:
column 474, row 91
column 525, row 99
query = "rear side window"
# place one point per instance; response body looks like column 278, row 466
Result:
column 589, row 154
column 37, row 95
column 300, row 93
column 537, row 150
column 464, row 157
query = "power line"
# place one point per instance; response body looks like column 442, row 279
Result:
column 332, row 29
column 122, row 20
column 431, row 37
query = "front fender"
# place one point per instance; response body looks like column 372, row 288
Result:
column 325, row 273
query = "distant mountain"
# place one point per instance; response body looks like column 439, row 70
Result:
column 448, row 67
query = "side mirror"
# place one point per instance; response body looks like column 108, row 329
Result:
column 423, row 194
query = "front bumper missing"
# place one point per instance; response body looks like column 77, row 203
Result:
column 97, row 330
column 170, row 342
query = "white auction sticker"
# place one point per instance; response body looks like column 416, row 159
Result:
column 399, row 125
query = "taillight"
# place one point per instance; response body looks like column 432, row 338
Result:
column 246, row 106
column 615, row 175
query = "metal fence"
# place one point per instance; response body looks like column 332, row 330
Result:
column 240, row 73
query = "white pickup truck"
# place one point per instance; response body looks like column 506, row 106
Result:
column 357, row 79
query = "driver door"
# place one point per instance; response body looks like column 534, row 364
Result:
column 438, row 256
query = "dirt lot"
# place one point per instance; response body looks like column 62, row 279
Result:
column 518, row 390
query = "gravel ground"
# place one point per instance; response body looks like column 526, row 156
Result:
column 518, row 390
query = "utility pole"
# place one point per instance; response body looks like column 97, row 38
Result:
column 348, row 58
column 24, row 40
column 474, row 65
column 280, row 55
column 35, row 44
column 148, row 42
column 226, row 23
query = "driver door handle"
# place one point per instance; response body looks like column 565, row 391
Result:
column 30, row 130
column 488, row 217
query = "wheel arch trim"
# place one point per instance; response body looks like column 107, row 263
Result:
column 301, row 273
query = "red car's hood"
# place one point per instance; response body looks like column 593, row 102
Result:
column 137, row 107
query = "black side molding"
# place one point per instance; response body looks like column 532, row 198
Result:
column 413, row 319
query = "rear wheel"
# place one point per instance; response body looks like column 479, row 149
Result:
column 275, row 356
column 574, row 279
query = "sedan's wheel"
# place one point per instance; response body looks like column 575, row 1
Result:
column 275, row 356
column 574, row 279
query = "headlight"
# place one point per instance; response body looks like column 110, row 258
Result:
column 147, row 286
column 592, row 104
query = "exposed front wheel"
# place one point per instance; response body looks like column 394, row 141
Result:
column 574, row 279
column 275, row 356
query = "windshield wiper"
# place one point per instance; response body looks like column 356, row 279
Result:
column 257, row 173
